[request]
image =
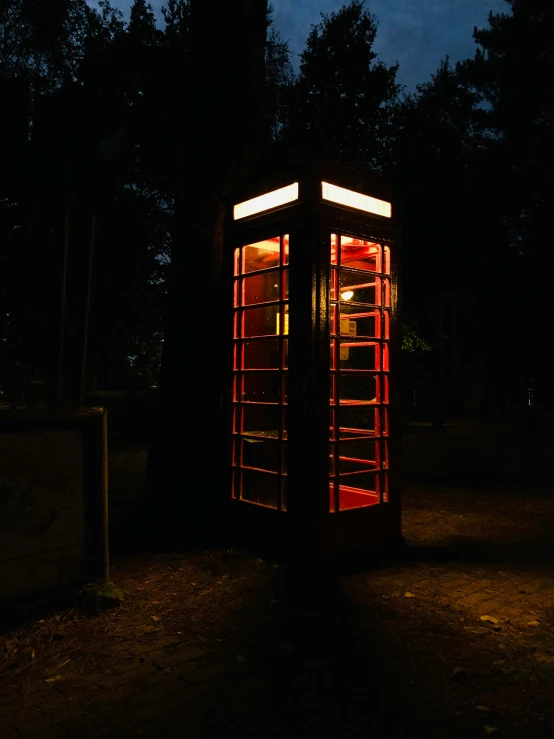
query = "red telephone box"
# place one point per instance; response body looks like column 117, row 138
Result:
column 313, row 253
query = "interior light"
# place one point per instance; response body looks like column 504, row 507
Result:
column 355, row 200
column 347, row 295
column 266, row 201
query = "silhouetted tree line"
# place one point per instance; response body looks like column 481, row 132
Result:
column 95, row 118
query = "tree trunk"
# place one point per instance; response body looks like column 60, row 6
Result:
column 187, row 462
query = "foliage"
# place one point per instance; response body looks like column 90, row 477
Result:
column 341, row 99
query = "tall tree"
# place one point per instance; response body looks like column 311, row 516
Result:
column 279, row 80
column 511, row 69
column 222, row 138
column 341, row 99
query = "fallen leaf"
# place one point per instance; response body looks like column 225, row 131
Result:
column 533, row 623
column 155, row 618
column 489, row 730
column 409, row 595
column 240, row 658
column 53, row 679
column 491, row 619
column 458, row 672
column 485, row 709
column 497, row 627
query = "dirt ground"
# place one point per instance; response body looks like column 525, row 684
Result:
column 455, row 638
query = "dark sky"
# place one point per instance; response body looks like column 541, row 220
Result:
column 416, row 33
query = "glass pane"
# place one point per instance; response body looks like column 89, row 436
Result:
column 386, row 357
column 333, row 354
column 284, row 494
column 385, row 487
column 358, row 288
column 358, row 421
column 332, row 417
column 261, row 255
column 260, row 387
column 285, row 295
column 386, row 291
column 386, row 324
column 260, row 288
column 355, row 355
column 261, row 453
column 360, row 254
column 384, row 454
column 332, row 460
column 263, row 354
column 286, row 241
column 334, row 249
column 261, row 420
column 385, row 422
column 357, row 456
column 385, row 394
column 334, row 283
column 386, row 265
column 355, row 321
column 260, row 321
column 260, row 487
column 236, row 262
column 359, row 387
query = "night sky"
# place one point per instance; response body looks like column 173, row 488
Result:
column 416, row 33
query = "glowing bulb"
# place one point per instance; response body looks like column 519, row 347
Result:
column 347, row 295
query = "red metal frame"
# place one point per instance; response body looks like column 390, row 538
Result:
column 360, row 290
column 260, row 372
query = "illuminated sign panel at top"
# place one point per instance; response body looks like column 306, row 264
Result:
column 352, row 199
column 266, row 201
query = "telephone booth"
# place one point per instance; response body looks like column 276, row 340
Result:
column 312, row 253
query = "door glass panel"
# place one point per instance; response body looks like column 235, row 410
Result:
column 261, row 255
column 358, row 387
column 260, row 379
column 262, row 454
column 260, row 288
column 260, row 321
column 360, row 254
column 259, row 487
column 260, row 387
column 359, row 457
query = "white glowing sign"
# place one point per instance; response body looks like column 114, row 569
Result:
column 352, row 199
column 266, row 201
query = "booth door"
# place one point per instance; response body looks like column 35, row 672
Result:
column 260, row 372
column 360, row 289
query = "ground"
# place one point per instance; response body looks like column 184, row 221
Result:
column 453, row 639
